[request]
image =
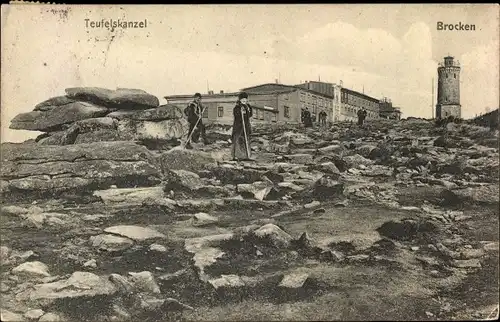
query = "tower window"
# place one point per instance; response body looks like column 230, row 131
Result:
column 454, row 75
column 446, row 75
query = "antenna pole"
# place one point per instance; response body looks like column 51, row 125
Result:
column 432, row 106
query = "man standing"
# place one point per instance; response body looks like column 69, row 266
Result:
column 323, row 116
column 307, row 118
column 361, row 116
column 194, row 113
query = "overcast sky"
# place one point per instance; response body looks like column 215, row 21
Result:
column 390, row 50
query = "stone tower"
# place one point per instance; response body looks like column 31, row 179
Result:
column 448, row 98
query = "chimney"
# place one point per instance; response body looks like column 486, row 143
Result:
column 221, row 91
column 210, row 92
column 276, row 80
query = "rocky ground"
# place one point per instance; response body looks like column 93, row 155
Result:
column 394, row 221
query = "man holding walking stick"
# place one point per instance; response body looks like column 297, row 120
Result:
column 194, row 113
column 242, row 113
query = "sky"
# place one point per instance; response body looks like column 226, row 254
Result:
column 389, row 50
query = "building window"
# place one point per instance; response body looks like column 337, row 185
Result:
column 454, row 75
column 275, row 117
column 205, row 113
column 286, row 112
column 256, row 114
column 262, row 114
column 220, row 111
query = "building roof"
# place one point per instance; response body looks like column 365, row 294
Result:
column 344, row 89
column 291, row 88
column 191, row 96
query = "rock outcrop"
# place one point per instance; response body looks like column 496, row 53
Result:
column 28, row 169
column 93, row 114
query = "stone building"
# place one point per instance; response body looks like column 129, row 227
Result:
column 387, row 111
column 352, row 102
column 219, row 107
column 289, row 101
column 330, row 90
column 448, row 97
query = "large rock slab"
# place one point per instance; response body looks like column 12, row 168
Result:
column 32, row 269
column 136, row 233
column 53, row 169
column 78, row 285
column 53, row 119
column 165, row 129
column 182, row 159
column 122, row 98
column 129, row 195
column 163, row 112
column 53, row 102
column 110, row 242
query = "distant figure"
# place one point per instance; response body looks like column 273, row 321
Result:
column 194, row 115
column 242, row 113
column 361, row 116
column 322, row 118
column 307, row 118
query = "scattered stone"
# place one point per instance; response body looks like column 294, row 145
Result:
column 491, row 247
column 129, row 195
column 312, row 204
column 277, row 236
column 294, row 280
column 51, row 317
column 121, row 283
column 173, row 276
column 144, row 282
column 4, row 253
column 34, row 314
column 136, row 233
column 319, row 211
column 359, row 257
column 414, row 248
column 343, row 203
column 227, row 281
column 300, row 158
column 471, row 253
column 203, row 219
column 32, row 269
column 8, row 316
column 4, row 288
column 158, row 248
column 434, row 273
column 467, row 263
column 90, row 263
column 259, row 189
column 79, row 284
column 111, row 243
column 14, row 210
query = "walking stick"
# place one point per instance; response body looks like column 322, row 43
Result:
column 246, row 137
column 194, row 128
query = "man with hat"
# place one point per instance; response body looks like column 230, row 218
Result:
column 194, row 115
column 242, row 113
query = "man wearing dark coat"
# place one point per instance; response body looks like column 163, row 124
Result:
column 194, row 117
column 322, row 118
column 307, row 118
column 242, row 113
column 361, row 116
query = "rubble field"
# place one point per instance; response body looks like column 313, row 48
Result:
column 395, row 220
